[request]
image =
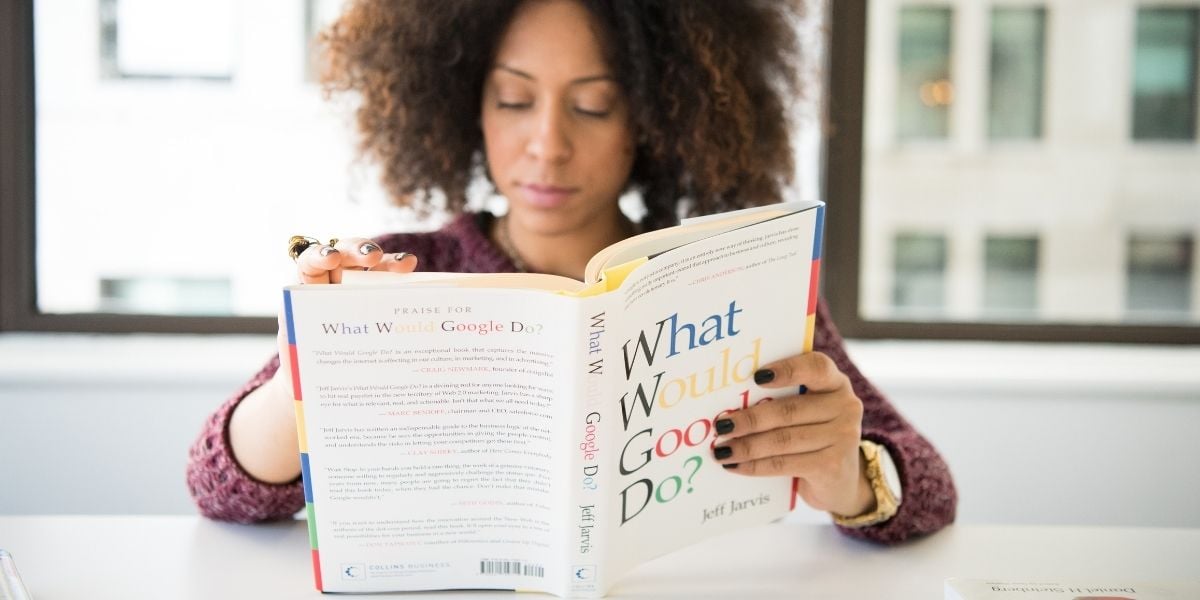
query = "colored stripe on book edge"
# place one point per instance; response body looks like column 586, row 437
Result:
column 316, row 557
column 301, row 435
column 287, row 313
column 292, row 353
column 310, row 513
column 809, row 332
column 306, row 476
column 819, row 233
column 814, row 282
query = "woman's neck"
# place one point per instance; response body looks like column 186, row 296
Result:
column 564, row 254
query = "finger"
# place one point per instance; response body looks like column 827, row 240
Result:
column 316, row 263
column 397, row 262
column 783, row 441
column 814, row 370
column 820, row 464
column 783, row 412
column 357, row 254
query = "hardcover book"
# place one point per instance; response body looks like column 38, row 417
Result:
column 986, row 589
column 534, row 432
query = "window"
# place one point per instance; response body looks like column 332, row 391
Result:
column 1010, row 277
column 137, row 137
column 920, row 275
column 197, row 117
column 1015, row 89
column 167, row 39
column 1020, row 71
column 1159, row 284
column 925, row 92
column 1164, row 74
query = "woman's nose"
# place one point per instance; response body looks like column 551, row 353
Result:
column 550, row 140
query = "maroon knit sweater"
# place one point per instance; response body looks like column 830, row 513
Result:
column 224, row 491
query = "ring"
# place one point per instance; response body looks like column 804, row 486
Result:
column 297, row 244
column 333, row 241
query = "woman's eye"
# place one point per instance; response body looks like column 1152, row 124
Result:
column 513, row 105
column 600, row 114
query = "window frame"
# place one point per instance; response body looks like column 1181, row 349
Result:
column 842, row 189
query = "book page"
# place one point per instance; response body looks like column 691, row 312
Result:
column 697, row 322
column 432, row 428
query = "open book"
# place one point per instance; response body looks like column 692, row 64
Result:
column 534, row 432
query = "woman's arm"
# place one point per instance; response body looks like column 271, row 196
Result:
column 929, row 497
column 245, row 466
column 221, row 488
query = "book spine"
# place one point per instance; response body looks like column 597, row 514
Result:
column 589, row 477
column 810, row 327
column 302, row 437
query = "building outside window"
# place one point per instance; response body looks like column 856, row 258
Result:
column 1058, row 72
column 1016, row 69
column 1164, row 74
column 920, row 274
column 165, row 39
column 1160, row 275
column 925, row 91
column 1010, row 278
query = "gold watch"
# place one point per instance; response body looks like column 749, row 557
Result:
column 885, row 483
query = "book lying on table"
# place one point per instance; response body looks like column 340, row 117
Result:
column 988, row 589
column 534, row 432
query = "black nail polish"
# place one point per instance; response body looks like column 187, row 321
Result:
column 724, row 426
column 762, row 376
column 722, row 452
column 730, row 466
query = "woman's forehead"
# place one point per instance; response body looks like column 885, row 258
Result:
column 552, row 39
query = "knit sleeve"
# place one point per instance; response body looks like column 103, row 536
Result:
column 929, row 499
column 220, row 487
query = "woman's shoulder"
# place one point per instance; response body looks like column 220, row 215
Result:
column 462, row 245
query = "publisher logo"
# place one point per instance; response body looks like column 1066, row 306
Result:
column 353, row 571
column 583, row 572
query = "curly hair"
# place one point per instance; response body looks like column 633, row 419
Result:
column 708, row 85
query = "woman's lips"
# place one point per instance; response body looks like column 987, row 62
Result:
column 546, row 196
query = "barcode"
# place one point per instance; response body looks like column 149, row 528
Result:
column 510, row 567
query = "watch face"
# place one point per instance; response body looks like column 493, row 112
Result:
column 890, row 474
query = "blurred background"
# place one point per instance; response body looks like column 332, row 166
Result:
column 1023, row 166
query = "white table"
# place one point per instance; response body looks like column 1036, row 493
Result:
column 130, row 557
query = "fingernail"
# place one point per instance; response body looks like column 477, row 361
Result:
column 722, row 452
column 367, row 248
column 724, row 426
column 762, row 376
column 399, row 256
column 327, row 250
column 730, row 466
column 803, row 389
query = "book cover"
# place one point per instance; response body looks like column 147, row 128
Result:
column 985, row 589
column 490, row 432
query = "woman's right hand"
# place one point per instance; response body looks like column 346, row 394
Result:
column 321, row 263
column 262, row 429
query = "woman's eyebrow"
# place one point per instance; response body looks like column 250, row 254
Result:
column 524, row 75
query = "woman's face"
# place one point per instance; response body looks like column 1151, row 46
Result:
column 555, row 123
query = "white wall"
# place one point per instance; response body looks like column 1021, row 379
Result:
column 1033, row 433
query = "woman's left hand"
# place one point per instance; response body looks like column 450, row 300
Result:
column 813, row 436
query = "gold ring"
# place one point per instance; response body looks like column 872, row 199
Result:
column 333, row 241
column 297, row 244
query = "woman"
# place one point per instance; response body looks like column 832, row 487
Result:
column 565, row 105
